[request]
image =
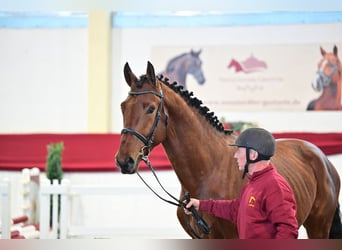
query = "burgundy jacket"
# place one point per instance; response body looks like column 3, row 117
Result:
column 265, row 209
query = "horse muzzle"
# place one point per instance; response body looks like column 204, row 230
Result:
column 127, row 166
column 200, row 78
column 317, row 83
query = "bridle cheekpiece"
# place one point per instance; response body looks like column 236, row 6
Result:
column 148, row 141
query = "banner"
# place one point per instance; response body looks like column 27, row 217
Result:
column 255, row 77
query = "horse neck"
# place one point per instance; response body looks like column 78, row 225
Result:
column 179, row 73
column 333, row 91
column 335, row 88
column 193, row 145
column 339, row 88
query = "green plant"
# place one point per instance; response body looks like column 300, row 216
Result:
column 54, row 161
column 54, row 169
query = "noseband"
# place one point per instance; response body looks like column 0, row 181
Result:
column 145, row 150
column 324, row 78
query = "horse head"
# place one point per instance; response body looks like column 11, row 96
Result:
column 329, row 68
column 194, row 66
column 144, row 119
column 180, row 66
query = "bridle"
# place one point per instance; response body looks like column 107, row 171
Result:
column 324, row 79
column 143, row 155
column 146, row 149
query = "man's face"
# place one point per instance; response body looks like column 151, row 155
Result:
column 240, row 156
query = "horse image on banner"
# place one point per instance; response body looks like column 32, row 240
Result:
column 328, row 80
column 250, row 65
column 181, row 65
column 196, row 143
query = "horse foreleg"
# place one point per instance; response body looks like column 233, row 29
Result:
column 180, row 216
column 317, row 228
column 319, row 222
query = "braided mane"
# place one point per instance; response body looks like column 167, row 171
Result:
column 196, row 103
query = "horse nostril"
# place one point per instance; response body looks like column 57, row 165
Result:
column 127, row 167
column 129, row 161
column 118, row 163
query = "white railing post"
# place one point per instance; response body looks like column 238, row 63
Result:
column 5, row 189
column 34, row 195
column 64, row 218
column 59, row 222
column 25, row 187
column 44, row 216
column 55, row 192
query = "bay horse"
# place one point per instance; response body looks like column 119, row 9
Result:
column 196, row 143
column 328, row 79
column 181, row 65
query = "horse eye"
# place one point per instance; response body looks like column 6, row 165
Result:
column 150, row 110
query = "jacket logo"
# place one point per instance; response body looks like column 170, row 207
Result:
column 251, row 201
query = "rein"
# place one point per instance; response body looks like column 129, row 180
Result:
column 200, row 222
column 143, row 155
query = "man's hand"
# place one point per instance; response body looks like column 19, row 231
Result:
column 192, row 202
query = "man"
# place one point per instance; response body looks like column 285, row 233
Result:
column 266, row 207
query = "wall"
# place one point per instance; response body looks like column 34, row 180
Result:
column 54, row 67
column 43, row 80
column 135, row 45
column 44, row 85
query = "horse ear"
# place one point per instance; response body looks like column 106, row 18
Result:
column 151, row 76
column 129, row 75
column 335, row 50
column 323, row 52
column 196, row 53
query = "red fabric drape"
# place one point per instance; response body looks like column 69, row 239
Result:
column 82, row 152
column 96, row 152
column 329, row 143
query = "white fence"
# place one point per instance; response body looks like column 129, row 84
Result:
column 130, row 218
column 59, row 220
column 23, row 226
column 102, row 205
column 125, row 208
column 5, row 187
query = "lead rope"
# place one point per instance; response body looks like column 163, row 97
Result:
column 199, row 221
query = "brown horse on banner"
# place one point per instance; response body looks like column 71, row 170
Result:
column 328, row 80
column 196, row 144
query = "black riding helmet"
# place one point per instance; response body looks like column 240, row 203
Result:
column 259, row 140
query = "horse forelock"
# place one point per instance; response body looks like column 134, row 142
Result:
column 195, row 103
column 141, row 81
